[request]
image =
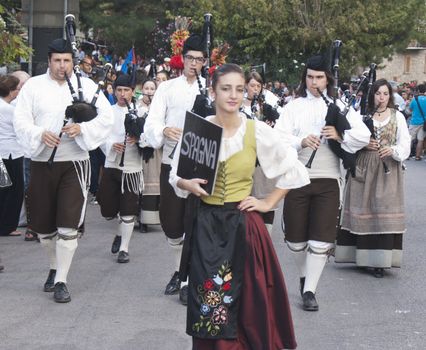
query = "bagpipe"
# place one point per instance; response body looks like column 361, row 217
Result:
column 203, row 105
column 337, row 118
column 262, row 110
column 367, row 118
column 79, row 111
column 133, row 126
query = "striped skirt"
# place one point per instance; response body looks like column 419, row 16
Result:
column 373, row 218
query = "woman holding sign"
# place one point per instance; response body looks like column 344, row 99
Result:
column 237, row 295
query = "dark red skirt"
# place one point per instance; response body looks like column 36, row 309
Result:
column 263, row 313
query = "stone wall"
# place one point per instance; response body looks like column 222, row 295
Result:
column 405, row 66
column 48, row 13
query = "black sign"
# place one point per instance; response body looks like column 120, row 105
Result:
column 199, row 152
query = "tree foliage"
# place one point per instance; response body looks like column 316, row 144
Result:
column 280, row 33
column 123, row 23
column 283, row 33
column 12, row 38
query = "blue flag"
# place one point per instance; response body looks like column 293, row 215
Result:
column 127, row 61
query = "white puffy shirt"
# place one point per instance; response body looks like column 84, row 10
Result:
column 41, row 106
column 171, row 101
column 132, row 158
column 8, row 144
column 306, row 115
column 276, row 158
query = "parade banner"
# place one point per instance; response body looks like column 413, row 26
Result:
column 199, row 152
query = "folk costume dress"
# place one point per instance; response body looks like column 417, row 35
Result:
column 149, row 213
column 262, row 186
column 237, row 295
column 373, row 216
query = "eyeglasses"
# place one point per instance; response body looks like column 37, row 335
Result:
column 196, row 59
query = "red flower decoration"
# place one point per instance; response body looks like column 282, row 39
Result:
column 208, row 284
column 176, row 62
column 226, row 286
column 212, row 69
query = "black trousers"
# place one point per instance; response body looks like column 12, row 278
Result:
column 172, row 207
column 11, row 197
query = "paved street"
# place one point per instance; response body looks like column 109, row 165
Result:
column 122, row 306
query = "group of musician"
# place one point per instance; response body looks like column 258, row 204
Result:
column 225, row 267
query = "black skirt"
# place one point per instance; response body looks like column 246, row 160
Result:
column 237, row 295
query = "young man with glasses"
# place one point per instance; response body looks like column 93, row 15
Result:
column 163, row 128
column 86, row 67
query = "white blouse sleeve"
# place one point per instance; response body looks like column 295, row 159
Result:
column 279, row 159
column 285, row 126
column 358, row 136
column 401, row 150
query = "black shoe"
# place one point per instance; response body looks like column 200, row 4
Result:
column 143, row 228
column 116, row 244
column 183, row 295
column 49, row 285
column 1, row 268
column 174, row 284
column 302, row 285
column 123, row 257
column 378, row 272
column 61, row 294
column 309, row 302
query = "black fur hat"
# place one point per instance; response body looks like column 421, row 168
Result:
column 59, row 46
column 319, row 63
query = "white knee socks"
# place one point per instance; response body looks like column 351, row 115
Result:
column 298, row 250
column 48, row 241
column 125, row 227
column 315, row 262
column 66, row 245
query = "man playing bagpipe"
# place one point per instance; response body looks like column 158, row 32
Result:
column 311, row 212
column 122, row 179
column 58, row 188
column 163, row 128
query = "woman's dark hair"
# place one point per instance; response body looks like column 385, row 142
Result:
column 301, row 91
column 226, row 69
column 149, row 80
column 254, row 75
column 8, row 83
column 371, row 107
column 166, row 73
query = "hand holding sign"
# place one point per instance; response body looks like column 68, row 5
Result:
column 172, row 133
column 193, row 186
column 199, row 154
